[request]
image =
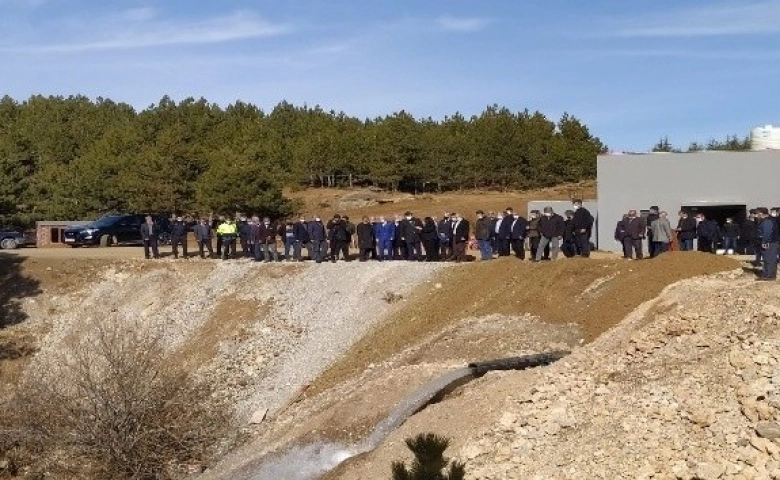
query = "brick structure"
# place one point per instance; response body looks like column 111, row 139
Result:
column 49, row 234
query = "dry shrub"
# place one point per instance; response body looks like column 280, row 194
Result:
column 118, row 405
column 392, row 297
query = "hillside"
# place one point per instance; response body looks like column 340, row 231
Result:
column 328, row 352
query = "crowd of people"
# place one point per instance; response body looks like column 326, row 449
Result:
column 757, row 235
column 543, row 236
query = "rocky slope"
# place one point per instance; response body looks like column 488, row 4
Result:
column 686, row 387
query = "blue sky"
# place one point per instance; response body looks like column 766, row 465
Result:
column 633, row 71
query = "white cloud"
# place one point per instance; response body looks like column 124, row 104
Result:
column 466, row 25
column 138, row 28
column 735, row 18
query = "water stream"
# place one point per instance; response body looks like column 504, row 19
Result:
column 309, row 462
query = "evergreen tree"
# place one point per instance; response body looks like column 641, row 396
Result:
column 429, row 461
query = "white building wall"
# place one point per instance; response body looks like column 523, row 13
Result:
column 673, row 180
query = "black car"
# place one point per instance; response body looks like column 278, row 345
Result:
column 113, row 230
column 10, row 239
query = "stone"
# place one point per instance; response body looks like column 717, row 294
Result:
column 258, row 416
column 709, row 471
column 507, row 420
column 472, row 451
column 770, row 430
column 739, row 359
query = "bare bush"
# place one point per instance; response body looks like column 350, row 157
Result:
column 392, row 297
column 118, row 404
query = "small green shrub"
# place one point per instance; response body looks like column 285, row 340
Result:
column 429, row 460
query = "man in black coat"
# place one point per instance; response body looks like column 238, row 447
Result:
column 517, row 235
column 551, row 232
column 301, row 238
column 569, row 244
column 652, row 216
column 339, row 238
column 203, row 234
column 410, row 232
column 179, row 236
column 366, row 239
column 460, row 238
column 444, row 227
column 243, row 236
column 318, row 236
column 686, row 231
column 582, row 224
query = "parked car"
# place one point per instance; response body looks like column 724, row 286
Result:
column 10, row 239
column 114, row 230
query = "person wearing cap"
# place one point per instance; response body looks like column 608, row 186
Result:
column 769, row 236
column 582, row 225
column 551, row 231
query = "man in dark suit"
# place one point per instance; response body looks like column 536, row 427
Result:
column 517, row 235
column 460, row 237
column 686, row 231
column 366, row 238
column 150, row 233
column 582, row 222
column 179, row 236
column 636, row 230
column 410, row 231
column 444, row 226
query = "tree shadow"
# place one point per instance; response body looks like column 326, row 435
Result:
column 14, row 287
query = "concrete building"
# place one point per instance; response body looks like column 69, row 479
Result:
column 718, row 184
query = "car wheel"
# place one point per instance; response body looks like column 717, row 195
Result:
column 8, row 244
column 106, row 240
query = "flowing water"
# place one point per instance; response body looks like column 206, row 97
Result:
column 308, row 462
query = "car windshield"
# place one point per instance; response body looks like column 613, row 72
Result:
column 106, row 221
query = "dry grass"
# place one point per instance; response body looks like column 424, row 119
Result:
column 116, row 407
column 506, row 286
column 326, row 202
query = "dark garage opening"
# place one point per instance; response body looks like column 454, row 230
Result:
column 719, row 213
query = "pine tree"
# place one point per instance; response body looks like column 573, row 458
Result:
column 429, row 460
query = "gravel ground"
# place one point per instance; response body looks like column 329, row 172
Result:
column 312, row 315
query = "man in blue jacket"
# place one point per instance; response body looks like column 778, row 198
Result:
column 385, row 235
column 770, row 236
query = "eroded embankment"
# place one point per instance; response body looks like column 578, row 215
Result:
column 686, row 386
column 593, row 294
column 439, row 330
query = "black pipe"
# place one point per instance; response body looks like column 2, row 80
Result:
column 517, row 363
